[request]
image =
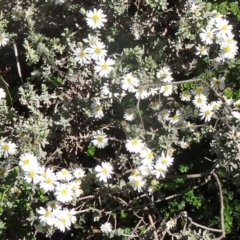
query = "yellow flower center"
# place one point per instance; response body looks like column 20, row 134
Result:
column 1, row 38
column 135, row 142
column 100, row 139
column 49, row 181
column 227, row 49
column 32, row 174
column 164, row 161
column 98, row 108
column 137, row 183
column 217, row 81
column 98, row 50
column 149, row 156
column 64, row 192
column 199, row 90
column 105, row 171
column 207, row 113
column 96, row 18
column 65, row 172
column 82, row 54
column 209, row 34
column 5, row 147
column 105, row 66
column 26, row 161
column 129, row 80
column 225, row 27
column 48, row 214
column 166, row 87
column 176, row 117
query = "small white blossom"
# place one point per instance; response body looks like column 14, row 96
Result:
column 96, row 18
column 104, row 67
column 129, row 83
column 206, row 112
column 134, row 145
column 7, row 148
column 104, row 172
column 100, row 139
column 97, row 109
column 106, row 228
column 129, row 114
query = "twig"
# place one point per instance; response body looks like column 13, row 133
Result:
column 17, row 61
column 203, row 227
column 135, row 229
column 221, row 204
column 152, row 224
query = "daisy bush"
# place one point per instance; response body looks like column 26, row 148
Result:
column 119, row 119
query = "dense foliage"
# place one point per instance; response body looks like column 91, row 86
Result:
column 119, row 119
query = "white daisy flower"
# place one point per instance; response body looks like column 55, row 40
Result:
column 106, row 91
column 170, row 224
column 64, row 175
column 97, row 51
column 129, row 83
column 71, row 214
column 185, row 95
column 3, row 39
column 145, row 170
column 91, row 40
column 106, row 228
column 176, row 118
column 104, row 172
column 159, row 170
column 16, row 14
column 96, row 18
column 63, row 193
column 202, row 50
column 147, row 156
column 228, row 51
column 104, row 67
column 100, row 139
column 31, row 175
column 46, row 215
column 97, row 109
column 28, row 161
column 79, row 173
column 2, row 94
column 200, row 100
column 135, row 172
column 82, row 56
column 216, row 105
column 165, row 160
column 207, row 35
column 62, row 221
column 164, row 115
column 166, row 90
column 206, row 112
column 201, row 90
column 224, row 28
column 129, row 114
column 141, row 93
column 155, row 105
column 164, row 74
column 134, row 145
column 138, row 183
column 48, row 180
column 218, row 83
column 7, row 149
column 54, row 205
column 75, row 186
